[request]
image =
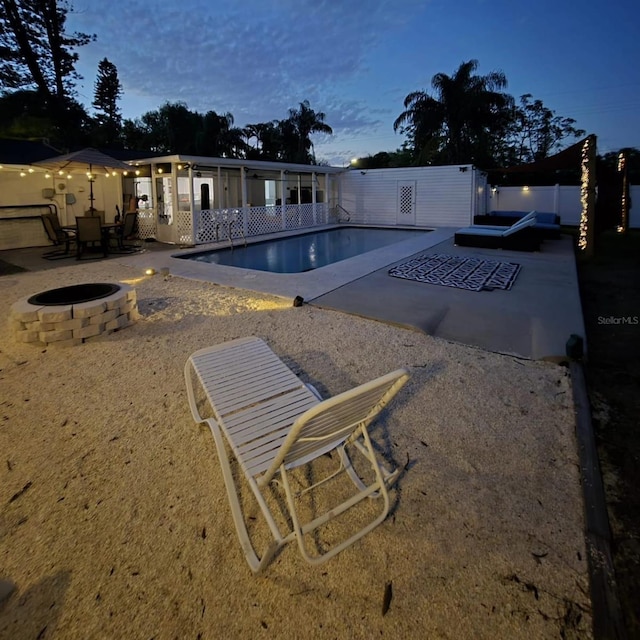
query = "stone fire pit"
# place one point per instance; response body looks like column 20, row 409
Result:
column 69, row 316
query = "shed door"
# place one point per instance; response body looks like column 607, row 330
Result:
column 406, row 202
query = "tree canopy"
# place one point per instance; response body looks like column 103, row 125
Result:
column 470, row 119
column 460, row 122
column 465, row 118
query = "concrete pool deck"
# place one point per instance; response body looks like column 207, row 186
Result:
column 533, row 320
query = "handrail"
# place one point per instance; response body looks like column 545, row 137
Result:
column 339, row 207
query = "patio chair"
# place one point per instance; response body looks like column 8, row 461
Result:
column 90, row 234
column 126, row 231
column 58, row 236
column 273, row 423
column 520, row 236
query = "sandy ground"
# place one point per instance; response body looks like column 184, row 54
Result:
column 114, row 522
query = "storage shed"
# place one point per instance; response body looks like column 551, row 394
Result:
column 442, row 196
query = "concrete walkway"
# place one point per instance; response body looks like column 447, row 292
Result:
column 533, row 320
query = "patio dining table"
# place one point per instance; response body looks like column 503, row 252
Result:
column 106, row 227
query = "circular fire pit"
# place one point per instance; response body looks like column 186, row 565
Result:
column 74, row 294
column 75, row 314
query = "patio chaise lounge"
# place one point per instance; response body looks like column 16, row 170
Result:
column 273, row 423
column 520, row 236
column 547, row 224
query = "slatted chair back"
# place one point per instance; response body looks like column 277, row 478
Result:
column 89, row 229
column 129, row 225
column 50, row 229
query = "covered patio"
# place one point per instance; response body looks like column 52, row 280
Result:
column 189, row 200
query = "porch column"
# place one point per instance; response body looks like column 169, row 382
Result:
column 245, row 209
column 218, row 201
column 283, row 199
column 154, row 195
column 194, row 222
column 313, row 196
column 299, row 205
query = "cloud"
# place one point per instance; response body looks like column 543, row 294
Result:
column 254, row 59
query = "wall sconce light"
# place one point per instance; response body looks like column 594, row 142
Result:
column 525, row 188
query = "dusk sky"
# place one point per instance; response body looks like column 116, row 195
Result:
column 356, row 61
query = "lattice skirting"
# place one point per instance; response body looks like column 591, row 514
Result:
column 472, row 274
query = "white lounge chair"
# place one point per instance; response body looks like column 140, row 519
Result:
column 272, row 422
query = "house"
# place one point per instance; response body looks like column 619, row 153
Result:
column 190, row 200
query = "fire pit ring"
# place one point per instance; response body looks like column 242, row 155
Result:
column 68, row 316
column 74, row 294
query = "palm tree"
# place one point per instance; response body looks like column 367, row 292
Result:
column 306, row 121
column 460, row 123
column 267, row 141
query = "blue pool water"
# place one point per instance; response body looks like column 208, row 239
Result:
column 305, row 252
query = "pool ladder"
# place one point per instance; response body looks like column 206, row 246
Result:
column 229, row 219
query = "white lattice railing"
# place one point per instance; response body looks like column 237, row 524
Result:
column 212, row 225
column 147, row 225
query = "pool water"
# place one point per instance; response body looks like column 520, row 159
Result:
column 305, row 252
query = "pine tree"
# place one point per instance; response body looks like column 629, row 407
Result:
column 107, row 92
column 37, row 55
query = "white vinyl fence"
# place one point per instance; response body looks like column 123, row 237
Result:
column 561, row 200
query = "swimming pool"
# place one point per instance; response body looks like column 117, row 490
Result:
column 305, row 252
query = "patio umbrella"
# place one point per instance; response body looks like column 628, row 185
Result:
column 85, row 160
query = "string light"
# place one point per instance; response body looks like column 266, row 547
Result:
column 624, row 203
column 587, row 193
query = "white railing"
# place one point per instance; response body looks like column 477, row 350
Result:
column 214, row 225
column 147, row 224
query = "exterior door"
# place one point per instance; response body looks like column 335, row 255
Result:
column 164, row 206
column 406, row 203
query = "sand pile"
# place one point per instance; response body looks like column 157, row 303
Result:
column 114, row 521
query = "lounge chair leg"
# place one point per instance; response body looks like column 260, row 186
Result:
column 256, row 563
column 300, row 530
column 367, row 451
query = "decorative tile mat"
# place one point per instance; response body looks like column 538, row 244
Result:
column 472, row 274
